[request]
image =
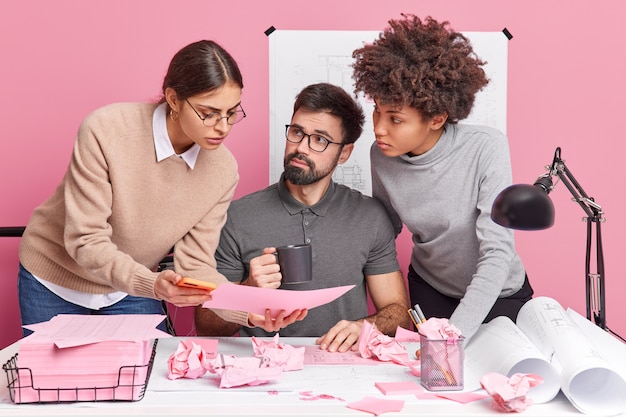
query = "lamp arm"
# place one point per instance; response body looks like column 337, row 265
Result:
column 594, row 282
column 590, row 207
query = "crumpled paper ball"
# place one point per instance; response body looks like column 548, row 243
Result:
column 236, row 376
column 373, row 343
column 189, row 361
column 270, row 359
column 277, row 354
column 509, row 394
column 439, row 329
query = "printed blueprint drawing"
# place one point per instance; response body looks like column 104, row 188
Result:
column 302, row 57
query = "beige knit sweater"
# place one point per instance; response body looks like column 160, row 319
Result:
column 117, row 211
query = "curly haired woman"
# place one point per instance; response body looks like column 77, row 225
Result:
column 437, row 177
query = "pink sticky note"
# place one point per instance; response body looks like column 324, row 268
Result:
column 462, row 397
column 399, row 388
column 426, row 395
column 208, row 345
column 377, row 406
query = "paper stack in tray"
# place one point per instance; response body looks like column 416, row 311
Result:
column 86, row 358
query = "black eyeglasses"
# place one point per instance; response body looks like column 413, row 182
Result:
column 317, row 143
column 214, row 117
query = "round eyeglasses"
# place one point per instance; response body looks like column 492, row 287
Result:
column 213, row 118
column 317, row 143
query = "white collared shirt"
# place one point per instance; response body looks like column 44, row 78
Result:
column 162, row 142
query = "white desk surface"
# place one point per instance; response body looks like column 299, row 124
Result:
column 201, row 396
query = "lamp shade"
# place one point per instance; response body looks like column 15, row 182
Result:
column 523, row 207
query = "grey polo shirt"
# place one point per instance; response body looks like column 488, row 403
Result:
column 350, row 233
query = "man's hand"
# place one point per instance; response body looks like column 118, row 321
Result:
column 342, row 337
column 264, row 271
column 274, row 324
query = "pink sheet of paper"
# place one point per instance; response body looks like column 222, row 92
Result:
column 399, row 387
column 377, row 406
column 462, row 397
column 313, row 355
column 256, row 300
column 426, row 395
column 68, row 330
column 459, row 397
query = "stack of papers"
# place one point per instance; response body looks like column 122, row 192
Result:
column 86, row 358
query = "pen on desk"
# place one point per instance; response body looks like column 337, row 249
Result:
column 414, row 318
column 420, row 313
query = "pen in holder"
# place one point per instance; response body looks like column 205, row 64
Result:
column 441, row 363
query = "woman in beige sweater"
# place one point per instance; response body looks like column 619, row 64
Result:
column 143, row 178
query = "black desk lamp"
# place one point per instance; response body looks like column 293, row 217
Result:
column 528, row 207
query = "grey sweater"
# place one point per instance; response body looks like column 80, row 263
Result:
column 444, row 198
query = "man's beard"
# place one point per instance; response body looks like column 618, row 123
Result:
column 299, row 176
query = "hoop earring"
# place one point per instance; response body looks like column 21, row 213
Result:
column 174, row 118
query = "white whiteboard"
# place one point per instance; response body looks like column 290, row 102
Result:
column 302, row 57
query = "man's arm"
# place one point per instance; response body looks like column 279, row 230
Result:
column 388, row 293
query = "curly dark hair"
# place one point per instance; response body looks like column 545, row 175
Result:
column 422, row 64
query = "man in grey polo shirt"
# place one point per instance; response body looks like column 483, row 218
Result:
column 352, row 238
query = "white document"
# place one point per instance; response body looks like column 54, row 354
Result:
column 567, row 351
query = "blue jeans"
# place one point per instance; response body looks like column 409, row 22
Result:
column 39, row 304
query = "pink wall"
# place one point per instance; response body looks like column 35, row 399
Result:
column 62, row 59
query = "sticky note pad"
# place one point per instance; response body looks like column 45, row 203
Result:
column 399, row 388
column 208, row 345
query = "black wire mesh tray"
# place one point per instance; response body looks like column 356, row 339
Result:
column 132, row 381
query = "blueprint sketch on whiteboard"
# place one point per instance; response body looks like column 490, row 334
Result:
column 302, row 57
